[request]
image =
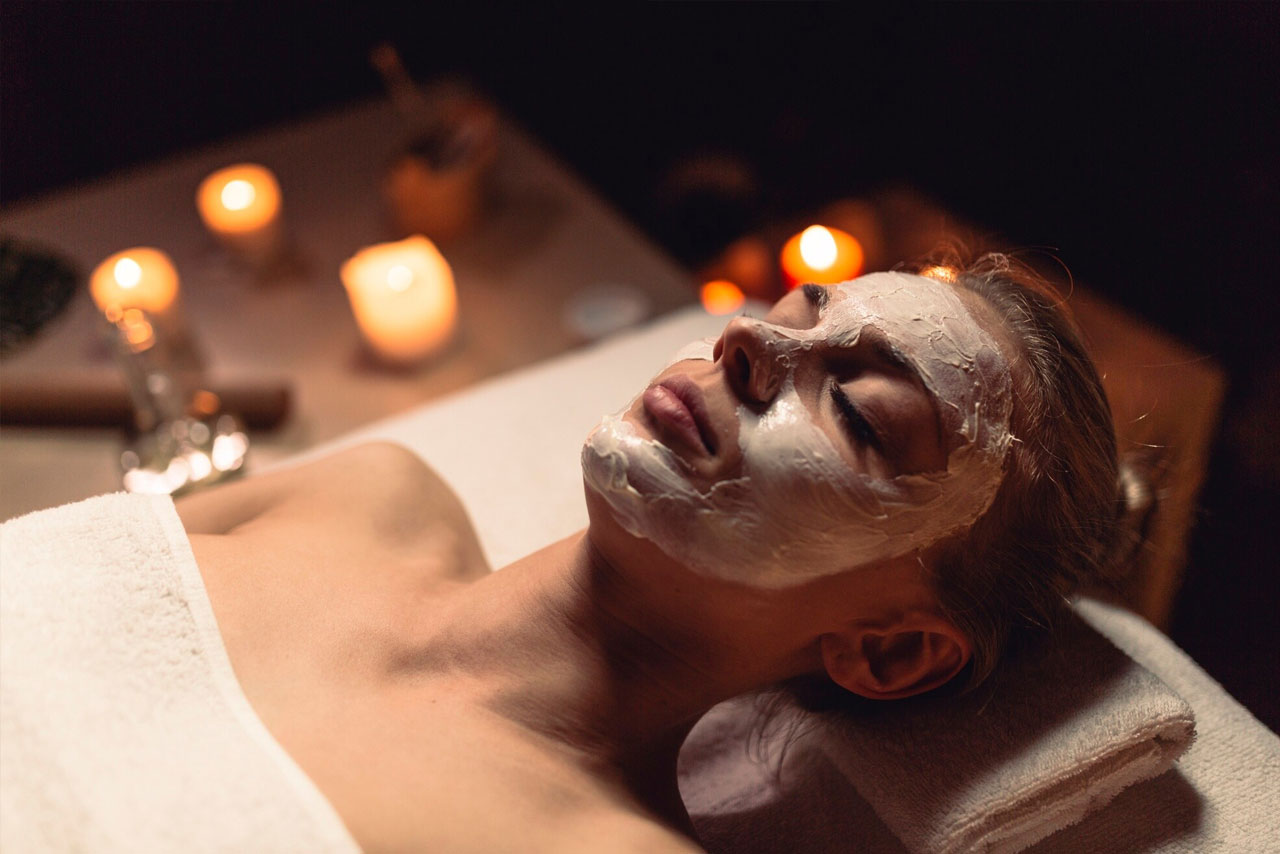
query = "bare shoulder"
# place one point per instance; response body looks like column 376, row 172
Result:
column 377, row 472
column 378, row 491
column 372, row 478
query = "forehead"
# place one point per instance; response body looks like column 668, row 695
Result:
column 899, row 302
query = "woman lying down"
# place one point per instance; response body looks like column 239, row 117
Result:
column 878, row 482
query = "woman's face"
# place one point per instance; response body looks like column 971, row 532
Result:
column 853, row 424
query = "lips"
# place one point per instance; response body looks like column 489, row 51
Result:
column 677, row 405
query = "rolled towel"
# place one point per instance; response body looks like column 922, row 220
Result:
column 997, row 770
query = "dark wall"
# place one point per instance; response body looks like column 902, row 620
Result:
column 1138, row 140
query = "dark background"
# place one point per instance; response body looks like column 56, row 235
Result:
column 1140, row 141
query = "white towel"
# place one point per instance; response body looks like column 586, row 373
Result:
column 1059, row 737
column 121, row 723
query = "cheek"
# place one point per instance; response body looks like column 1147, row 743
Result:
column 811, row 437
column 795, row 468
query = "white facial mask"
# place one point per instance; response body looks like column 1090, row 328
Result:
column 799, row 511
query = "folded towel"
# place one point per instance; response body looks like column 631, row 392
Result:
column 123, row 727
column 1055, row 738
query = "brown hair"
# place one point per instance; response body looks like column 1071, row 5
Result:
column 1054, row 524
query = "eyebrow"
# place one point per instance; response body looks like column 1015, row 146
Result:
column 817, row 295
column 885, row 353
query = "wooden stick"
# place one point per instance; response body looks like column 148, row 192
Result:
column 101, row 400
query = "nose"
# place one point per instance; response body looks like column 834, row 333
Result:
column 751, row 359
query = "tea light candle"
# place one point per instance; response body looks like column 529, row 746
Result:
column 240, row 205
column 403, row 298
column 141, row 278
column 824, row 256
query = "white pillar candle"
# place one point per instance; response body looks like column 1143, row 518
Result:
column 403, row 298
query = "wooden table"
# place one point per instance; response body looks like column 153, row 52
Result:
column 546, row 240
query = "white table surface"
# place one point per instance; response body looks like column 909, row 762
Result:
column 547, row 237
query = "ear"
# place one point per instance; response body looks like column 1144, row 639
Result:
column 917, row 653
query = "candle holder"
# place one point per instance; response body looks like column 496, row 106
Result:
column 437, row 185
column 183, row 439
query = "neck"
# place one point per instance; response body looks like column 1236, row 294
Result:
column 618, row 671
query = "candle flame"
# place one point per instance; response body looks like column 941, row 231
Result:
column 817, row 247
column 127, row 272
column 399, row 278
column 238, row 194
column 721, row 297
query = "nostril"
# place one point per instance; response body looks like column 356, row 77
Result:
column 771, row 388
column 742, row 365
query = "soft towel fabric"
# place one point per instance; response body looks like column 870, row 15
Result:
column 1220, row 796
column 1223, row 795
column 1054, row 738
column 122, row 727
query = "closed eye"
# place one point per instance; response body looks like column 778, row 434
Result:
column 858, row 427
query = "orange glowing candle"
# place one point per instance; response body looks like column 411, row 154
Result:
column 403, row 298
column 139, row 278
column 821, row 255
column 722, row 297
column 241, row 206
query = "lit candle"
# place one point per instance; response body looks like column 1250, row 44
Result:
column 141, row 278
column 403, row 298
column 722, row 297
column 824, row 256
column 241, row 206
